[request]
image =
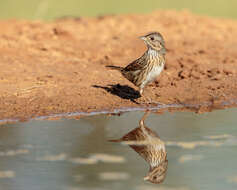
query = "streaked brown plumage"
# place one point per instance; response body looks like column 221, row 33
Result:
column 148, row 145
column 148, row 67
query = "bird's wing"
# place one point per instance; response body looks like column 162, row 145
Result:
column 138, row 64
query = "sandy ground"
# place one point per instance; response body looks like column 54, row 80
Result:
column 59, row 66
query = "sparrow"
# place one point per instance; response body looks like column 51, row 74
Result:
column 148, row 67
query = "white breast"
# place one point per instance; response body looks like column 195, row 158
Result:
column 156, row 160
column 153, row 74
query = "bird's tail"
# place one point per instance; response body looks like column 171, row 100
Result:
column 114, row 67
column 115, row 140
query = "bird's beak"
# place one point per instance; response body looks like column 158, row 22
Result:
column 143, row 38
column 146, row 178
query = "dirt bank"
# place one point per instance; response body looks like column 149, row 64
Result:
column 59, row 66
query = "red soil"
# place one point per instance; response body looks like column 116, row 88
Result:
column 59, row 66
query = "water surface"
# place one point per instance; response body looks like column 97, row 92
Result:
column 75, row 154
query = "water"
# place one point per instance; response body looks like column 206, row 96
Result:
column 50, row 9
column 73, row 154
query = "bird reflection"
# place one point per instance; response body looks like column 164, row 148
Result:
column 148, row 145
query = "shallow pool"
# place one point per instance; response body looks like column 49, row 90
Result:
column 73, row 154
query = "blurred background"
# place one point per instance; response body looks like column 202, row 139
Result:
column 51, row 9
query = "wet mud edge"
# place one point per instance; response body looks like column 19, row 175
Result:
column 160, row 109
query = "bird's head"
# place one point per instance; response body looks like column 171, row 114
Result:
column 157, row 175
column 154, row 41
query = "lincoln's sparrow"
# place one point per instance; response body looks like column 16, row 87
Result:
column 145, row 69
column 148, row 145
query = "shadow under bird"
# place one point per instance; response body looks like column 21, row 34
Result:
column 148, row 67
column 149, row 146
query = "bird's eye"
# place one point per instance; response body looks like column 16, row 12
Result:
column 152, row 38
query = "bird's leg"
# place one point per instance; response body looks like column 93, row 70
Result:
column 141, row 122
column 141, row 91
column 146, row 100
